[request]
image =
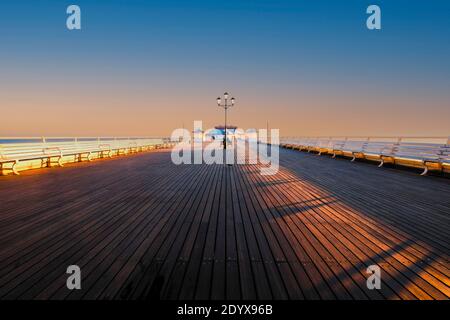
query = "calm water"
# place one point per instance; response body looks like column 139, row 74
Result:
column 5, row 141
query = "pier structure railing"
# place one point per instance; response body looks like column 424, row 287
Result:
column 427, row 153
column 23, row 153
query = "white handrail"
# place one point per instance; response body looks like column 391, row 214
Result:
column 441, row 140
column 18, row 140
column 365, row 137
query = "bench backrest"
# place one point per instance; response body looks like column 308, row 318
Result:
column 445, row 153
column 380, row 147
column 355, row 145
column 421, row 151
column 12, row 151
column 438, row 149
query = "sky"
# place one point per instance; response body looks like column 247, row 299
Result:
column 147, row 67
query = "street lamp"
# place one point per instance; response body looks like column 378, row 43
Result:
column 227, row 104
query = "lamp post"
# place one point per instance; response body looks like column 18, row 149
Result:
column 225, row 105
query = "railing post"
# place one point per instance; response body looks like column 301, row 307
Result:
column 365, row 144
column 399, row 139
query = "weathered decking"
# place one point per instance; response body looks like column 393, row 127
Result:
column 141, row 227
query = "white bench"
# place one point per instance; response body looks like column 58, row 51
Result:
column 50, row 153
column 422, row 155
column 400, row 151
column 28, row 151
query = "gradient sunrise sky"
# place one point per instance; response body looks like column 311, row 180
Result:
column 147, row 67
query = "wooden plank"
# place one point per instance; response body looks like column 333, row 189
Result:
column 192, row 273
column 141, row 227
column 153, row 249
column 98, row 240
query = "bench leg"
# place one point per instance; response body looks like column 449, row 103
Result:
column 14, row 169
column 381, row 163
column 80, row 157
column 425, row 171
column 89, row 157
column 60, row 162
column 353, row 159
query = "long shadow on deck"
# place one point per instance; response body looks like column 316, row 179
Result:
column 403, row 210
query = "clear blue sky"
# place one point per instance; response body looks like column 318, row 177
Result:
column 282, row 59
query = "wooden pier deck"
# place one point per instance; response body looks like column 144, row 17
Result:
column 141, row 227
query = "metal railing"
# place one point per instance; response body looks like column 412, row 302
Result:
column 6, row 140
